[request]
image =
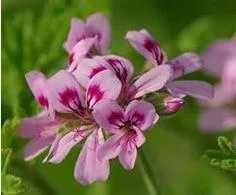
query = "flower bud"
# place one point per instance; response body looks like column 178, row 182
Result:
column 173, row 105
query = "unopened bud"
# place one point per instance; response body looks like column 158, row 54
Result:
column 173, row 105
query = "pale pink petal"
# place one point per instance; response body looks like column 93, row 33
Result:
column 186, row 63
column 98, row 25
column 197, row 89
column 109, row 115
column 218, row 120
column 82, row 49
column 139, row 137
column 122, row 67
column 88, row 168
column 229, row 74
column 37, row 83
column 147, row 46
column 37, row 146
column 53, row 147
column 66, row 93
column 141, row 114
column 87, row 69
column 103, row 85
column 153, row 80
column 175, row 92
column 40, row 125
column 76, row 33
column 111, row 148
column 67, row 142
column 215, row 58
column 128, row 158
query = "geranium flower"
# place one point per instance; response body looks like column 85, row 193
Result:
column 186, row 63
column 126, row 126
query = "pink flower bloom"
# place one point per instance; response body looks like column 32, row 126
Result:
column 96, row 25
column 186, row 63
column 126, row 126
column 68, row 97
column 221, row 113
column 150, row 81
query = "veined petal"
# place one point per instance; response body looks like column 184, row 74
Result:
column 66, row 93
column 67, row 142
column 218, row 120
column 153, row 80
column 98, row 25
column 197, row 89
column 40, row 125
column 185, row 63
column 128, row 158
column 87, row 69
column 147, row 46
column 111, row 148
column 88, row 168
column 82, row 49
column 122, row 67
column 141, row 114
column 76, row 33
column 37, row 146
column 109, row 115
column 103, row 85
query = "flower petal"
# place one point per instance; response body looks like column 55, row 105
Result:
column 215, row 58
column 153, row 80
column 40, row 125
column 217, row 120
column 109, row 115
column 147, row 46
column 122, row 67
column 98, row 25
column 82, row 49
column 66, row 93
column 141, row 114
column 37, row 146
column 197, row 89
column 87, row 69
column 111, row 148
column 88, row 168
column 76, row 33
column 128, row 158
column 185, row 63
column 37, row 83
column 102, row 86
column 67, row 142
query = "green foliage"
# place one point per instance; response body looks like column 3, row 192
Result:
column 11, row 185
column 225, row 157
column 5, row 154
column 9, row 130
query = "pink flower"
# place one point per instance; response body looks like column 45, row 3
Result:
column 150, row 81
column 126, row 126
column 186, row 63
column 173, row 105
column 68, row 98
column 221, row 111
column 96, row 25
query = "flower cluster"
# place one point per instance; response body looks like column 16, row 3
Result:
column 96, row 101
column 220, row 61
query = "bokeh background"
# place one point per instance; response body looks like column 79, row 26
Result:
column 32, row 36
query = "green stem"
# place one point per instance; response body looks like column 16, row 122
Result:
column 148, row 174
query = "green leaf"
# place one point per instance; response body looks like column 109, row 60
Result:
column 9, row 131
column 226, row 146
column 12, row 184
column 5, row 154
column 225, row 157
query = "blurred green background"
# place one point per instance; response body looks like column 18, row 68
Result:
column 32, row 36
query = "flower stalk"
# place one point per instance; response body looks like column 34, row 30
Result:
column 148, row 174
